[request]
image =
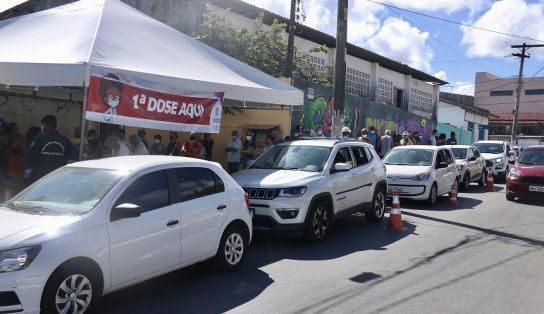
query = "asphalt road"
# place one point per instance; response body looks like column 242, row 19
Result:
column 484, row 255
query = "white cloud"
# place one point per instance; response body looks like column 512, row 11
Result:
column 507, row 16
column 447, row 6
column 398, row 40
column 459, row 87
column 441, row 75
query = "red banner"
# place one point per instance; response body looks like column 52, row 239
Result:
column 111, row 100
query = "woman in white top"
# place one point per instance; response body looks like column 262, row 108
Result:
column 119, row 147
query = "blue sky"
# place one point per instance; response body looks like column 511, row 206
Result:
column 449, row 51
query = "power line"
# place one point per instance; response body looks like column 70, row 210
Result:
column 454, row 22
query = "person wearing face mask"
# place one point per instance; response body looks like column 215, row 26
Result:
column 364, row 136
column 346, row 133
column 233, row 153
column 248, row 149
column 406, row 139
column 119, row 146
column 207, row 143
column 157, row 148
column 375, row 139
column 319, row 132
column 49, row 150
column 172, row 148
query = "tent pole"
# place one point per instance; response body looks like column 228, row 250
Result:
column 83, row 109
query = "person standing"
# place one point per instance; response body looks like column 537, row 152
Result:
column 434, row 138
column 141, row 134
column 452, row 140
column 157, row 148
column 319, row 132
column 364, row 136
column 207, row 143
column 248, row 149
column 137, row 147
column 375, row 139
column 233, row 153
column 192, row 148
column 386, row 143
column 49, row 150
column 119, row 147
column 406, row 139
column 172, row 148
column 96, row 147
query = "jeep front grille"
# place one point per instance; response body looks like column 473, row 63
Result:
column 262, row 194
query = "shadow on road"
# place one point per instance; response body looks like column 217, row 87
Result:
column 201, row 287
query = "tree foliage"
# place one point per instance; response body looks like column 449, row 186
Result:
column 261, row 46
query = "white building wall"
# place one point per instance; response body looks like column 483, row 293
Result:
column 451, row 114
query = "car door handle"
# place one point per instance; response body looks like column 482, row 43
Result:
column 221, row 207
column 172, row 223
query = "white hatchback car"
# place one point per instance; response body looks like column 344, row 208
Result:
column 96, row 226
column 420, row 172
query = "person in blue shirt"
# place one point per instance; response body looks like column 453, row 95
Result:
column 49, row 150
column 374, row 138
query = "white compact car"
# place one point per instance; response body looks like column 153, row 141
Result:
column 299, row 188
column 470, row 165
column 420, row 172
column 96, row 226
column 497, row 154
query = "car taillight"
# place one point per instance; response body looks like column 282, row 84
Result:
column 247, row 199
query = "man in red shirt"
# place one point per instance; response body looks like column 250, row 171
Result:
column 192, row 148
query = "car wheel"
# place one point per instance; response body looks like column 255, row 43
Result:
column 232, row 249
column 69, row 290
column 466, row 182
column 483, row 178
column 431, row 200
column 377, row 211
column 510, row 197
column 317, row 226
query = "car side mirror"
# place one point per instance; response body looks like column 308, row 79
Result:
column 511, row 153
column 340, row 167
column 125, row 210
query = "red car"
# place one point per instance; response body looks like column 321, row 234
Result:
column 526, row 178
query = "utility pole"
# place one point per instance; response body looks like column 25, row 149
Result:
column 340, row 58
column 522, row 56
column 291, row 43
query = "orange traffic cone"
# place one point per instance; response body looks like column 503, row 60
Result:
column 453, row 194
column 490, row 187
column 395, row 217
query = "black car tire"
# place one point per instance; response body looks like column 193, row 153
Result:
column 510, row 197
column 483, row 178
column 318, row 223
column 465, row 184
column 432, row 195
column 377, row 209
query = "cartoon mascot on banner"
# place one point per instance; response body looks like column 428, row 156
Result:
column 111, row 92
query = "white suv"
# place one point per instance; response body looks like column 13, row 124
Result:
column 496, row 154
column 298, row 188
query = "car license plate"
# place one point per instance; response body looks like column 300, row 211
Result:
column 536, row 188
column 251, row 212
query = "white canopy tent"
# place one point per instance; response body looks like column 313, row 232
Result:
column 58, row 46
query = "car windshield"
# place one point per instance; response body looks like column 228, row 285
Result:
column 459, row 153
column 410, row 157
column 490, row 148
column 294, row 157
column 532, row 157
column 66, row 191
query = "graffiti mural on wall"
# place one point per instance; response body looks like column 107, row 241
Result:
column 358, row 113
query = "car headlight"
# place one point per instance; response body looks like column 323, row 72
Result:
column 497, row 160
column 422, row 176
column 17, row 259
column 513, row 174
column 459, row 167
column 293, row 192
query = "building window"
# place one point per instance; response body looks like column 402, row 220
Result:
column 501, row 93
column 421, row 103
column 470, row 125
column 534, row 92
column 357, row 82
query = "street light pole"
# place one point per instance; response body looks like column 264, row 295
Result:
column 291, row 43
column 515, row 112
column 340, row 58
